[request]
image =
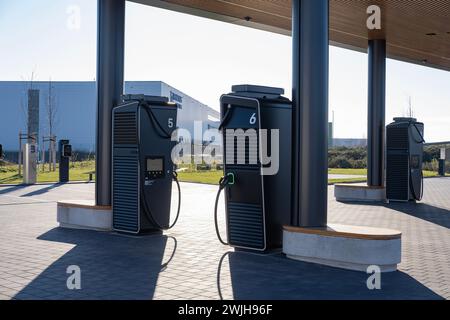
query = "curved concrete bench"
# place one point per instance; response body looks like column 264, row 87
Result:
column 84, row 214
column 346, row 247
column 359, row 193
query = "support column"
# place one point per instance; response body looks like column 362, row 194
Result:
column 376, row 113
column 310, row 37
column 110, row 77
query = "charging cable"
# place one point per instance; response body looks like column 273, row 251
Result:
column 224, row 182
column 148, row 212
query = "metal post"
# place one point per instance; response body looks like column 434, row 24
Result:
column 19, row 157
column 43, row 154
column 310, row 38
column 54, row 152
column 376, row 113
column 110, row 66
column 50, row 155
column 441, row 169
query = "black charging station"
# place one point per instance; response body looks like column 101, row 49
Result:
column 441, row 168
column 142, row 166
column 65, row 152
column 404, row 176
column 257, row 205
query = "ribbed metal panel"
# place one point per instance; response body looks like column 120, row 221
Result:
column 125, row 128
column 397, row 177
column 126, row 193
column 246, row 225
column 398, row 138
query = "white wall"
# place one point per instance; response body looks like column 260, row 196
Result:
column 76, row 117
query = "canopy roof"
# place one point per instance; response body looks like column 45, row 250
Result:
column 416, row 31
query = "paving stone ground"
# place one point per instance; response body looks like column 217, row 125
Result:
column 189, row 263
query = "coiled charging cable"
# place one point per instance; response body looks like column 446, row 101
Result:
column 148, row 212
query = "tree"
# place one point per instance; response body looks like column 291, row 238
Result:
column 52, row 112
column 52, row 109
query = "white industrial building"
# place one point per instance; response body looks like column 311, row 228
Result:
column 76, row 110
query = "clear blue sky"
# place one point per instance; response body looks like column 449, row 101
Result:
column 204, row 58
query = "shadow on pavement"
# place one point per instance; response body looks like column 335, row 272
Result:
column 275, row 277
column 11, row 179
column 436, row 215
column 43, row 190
column 6, row 190
column 421, row 210
column 113, row 266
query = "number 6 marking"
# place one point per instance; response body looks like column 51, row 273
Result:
column 170, row 123
column 253, row 119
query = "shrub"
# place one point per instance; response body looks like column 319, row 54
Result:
column 431, row 153
column 360, row 164
column 340, row 162
column 433, row 165
column 346, row 158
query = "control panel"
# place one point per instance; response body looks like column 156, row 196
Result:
column 154, row 168
column 67, row 151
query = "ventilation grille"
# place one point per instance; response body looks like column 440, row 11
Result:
column 397, row 182
column 397, row 138
column 245, row 225
column 125, row 130
column 125, row 193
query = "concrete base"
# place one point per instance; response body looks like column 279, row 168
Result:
column 82, row 214
column 359, row 193
column 345, row 247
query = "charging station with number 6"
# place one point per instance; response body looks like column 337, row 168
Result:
column 256, row 205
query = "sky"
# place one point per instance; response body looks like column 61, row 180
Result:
column 57, row 39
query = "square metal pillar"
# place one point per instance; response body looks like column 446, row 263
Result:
column 110, row 77
column 310, row 38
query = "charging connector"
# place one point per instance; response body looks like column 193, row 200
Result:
column 227, row 180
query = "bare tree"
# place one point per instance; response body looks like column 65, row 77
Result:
column 32, row 79
column 52, row 109
column 52, row 112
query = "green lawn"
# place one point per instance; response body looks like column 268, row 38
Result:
column 209, row 177
column 363, row 172
column 79, row 172
column 353, row 172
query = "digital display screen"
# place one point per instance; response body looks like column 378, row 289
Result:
column 155, row 164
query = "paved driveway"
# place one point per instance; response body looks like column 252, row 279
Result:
column 189, row 263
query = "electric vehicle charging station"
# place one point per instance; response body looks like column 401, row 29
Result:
column 29, row 151
column 142, row 167
column 442, row 158
column 404, row 176
column 257, row 205
column 65, row 152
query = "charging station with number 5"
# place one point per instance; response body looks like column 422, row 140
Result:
column 142, row 167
